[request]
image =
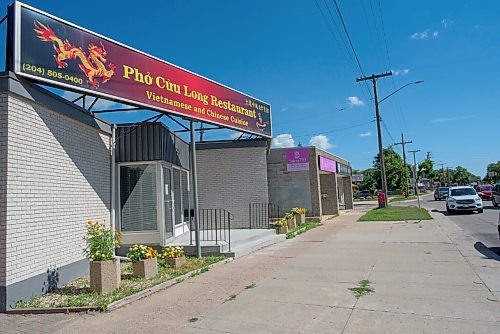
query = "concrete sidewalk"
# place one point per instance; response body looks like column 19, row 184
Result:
column 427, row 277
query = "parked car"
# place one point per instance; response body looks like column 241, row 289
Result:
column 441, row 193
column 484, row 191
column 495, row 194
column 463, row 198
column 363, row 194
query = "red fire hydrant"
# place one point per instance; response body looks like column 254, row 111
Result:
column 381, row 199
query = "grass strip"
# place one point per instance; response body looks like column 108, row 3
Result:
column 396, row 213
column 302, row 228
column 401, row 198
column 77, row 293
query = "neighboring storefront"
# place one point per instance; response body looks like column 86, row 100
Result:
column 309, row 177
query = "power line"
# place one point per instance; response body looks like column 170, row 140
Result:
column 336, row 130
column 343, row 48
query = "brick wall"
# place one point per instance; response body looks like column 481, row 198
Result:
column 231, row 178
column 58, row 177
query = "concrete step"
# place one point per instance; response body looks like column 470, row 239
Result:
column 252, row 243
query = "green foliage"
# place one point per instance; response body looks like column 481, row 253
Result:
column 101, row 242
column 369, row 180
column 462, row 176
column 141, row 252
column 493, row 167
column 426, row 169
column 397, row 176
column 362, row 289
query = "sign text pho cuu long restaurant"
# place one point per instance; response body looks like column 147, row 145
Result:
column 58, row 53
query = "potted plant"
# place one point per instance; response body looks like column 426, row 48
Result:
column 105, row 275
column 143, row 261
column 174, row 256
column 300, row 215
column 290, row 220
column 281, row 226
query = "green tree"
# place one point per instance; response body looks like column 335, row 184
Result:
column 495, row 168
column 369, row 180
column 426, row 169
column 397, row 176
column 462, row 176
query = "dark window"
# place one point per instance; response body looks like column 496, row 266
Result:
column 138, row 198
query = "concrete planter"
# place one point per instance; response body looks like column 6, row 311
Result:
column 145, row 268
column 301, row 219
column 105, row 276
column 176, row 262
column 291, row 223
column 282, row 229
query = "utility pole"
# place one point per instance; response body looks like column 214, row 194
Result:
column 415, row 174
column 428, row 155
column 374, row 78
column 402, row 143
column 442, row 169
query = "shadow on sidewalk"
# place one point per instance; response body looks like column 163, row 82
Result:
column 492, row 253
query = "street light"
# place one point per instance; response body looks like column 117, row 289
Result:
column 397, row 90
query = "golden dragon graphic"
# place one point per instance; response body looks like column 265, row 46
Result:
column 92, row 65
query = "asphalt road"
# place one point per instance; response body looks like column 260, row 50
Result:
column 482, row 226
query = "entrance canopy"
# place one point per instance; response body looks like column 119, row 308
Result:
column 50, row 50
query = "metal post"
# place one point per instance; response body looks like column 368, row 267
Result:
column 113, row 179
column 415, row 175
column 194, row 177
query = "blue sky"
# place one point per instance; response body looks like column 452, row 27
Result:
column 283, row 52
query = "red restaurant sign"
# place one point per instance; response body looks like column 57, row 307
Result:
column 50, row 50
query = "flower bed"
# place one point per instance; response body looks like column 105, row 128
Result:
column 78, row 292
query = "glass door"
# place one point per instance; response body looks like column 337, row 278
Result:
column 168, row 203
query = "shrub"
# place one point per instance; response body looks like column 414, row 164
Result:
column 171, row 252
column 101, row 242
column 141, row 252
column 299, row 211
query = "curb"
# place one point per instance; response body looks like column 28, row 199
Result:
column 52, row 310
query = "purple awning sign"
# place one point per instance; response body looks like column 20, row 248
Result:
column 297, row 159
column 327, row 165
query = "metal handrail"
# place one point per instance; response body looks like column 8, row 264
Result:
column 261, row 214
column 215, row 225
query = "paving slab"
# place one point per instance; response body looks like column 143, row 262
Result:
column 375, row 322
column 296, row 317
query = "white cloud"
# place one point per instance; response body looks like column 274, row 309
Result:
column 424, row 35
column 354, row 101
column 365, row 134
column 451, row 119
column 284, row 109
column 283, row 141
column 321, row 141
column 420, row 35
column 446, row 23
column 404, row 71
